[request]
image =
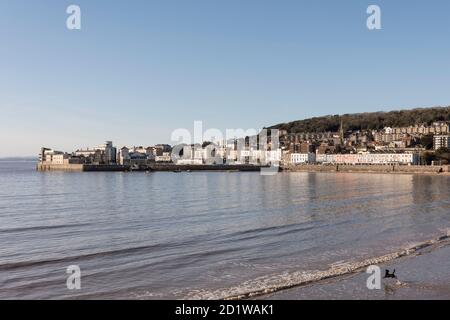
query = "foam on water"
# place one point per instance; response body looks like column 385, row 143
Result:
column 270, row 284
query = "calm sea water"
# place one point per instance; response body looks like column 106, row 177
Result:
column 186, row 235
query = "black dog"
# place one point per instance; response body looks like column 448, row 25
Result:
column 390, row 275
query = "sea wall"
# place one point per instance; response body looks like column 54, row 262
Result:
column 59, row 167
column 80, row 167
column 292, row 168
column 174, row 167
column 151, row 167
column 368, row 168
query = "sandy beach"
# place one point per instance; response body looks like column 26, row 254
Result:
column 424, row 276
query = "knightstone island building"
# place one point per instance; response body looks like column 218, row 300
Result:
column 104, row 154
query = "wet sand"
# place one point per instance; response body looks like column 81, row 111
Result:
column 424, row 276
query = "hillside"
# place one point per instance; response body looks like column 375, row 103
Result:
column 367, row 121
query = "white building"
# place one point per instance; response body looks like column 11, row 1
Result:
column 388, row 130
column 411, row 158
column 441, row 141
column 124, row 156
column 60, row 158
column 372, row 158
column 273, row 157
column 166, row 157
column 48, row 155
column 192, row 154
column 326, row 158
column 107, row 150
column 256, row 156
column 189, row 162
column 133, row 156
column 298, row 158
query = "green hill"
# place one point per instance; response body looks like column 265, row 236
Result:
column 367, row 121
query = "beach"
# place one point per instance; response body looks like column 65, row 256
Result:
column 422, row 276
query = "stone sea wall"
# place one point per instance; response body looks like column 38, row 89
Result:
column 80, row 167
column 59, row 167
column 173, row 167
column 367, row 168
column 151, row 167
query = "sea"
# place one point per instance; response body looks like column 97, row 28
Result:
column 200, row 235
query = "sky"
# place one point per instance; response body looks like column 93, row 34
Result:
column 138, row 70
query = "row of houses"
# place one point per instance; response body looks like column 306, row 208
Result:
column 355, row 159
column 107, row 154
column 230, row 154
column 408, row 134
column 438, row 127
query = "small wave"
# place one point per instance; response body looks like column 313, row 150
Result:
column 87, row 256
column 270, row 284
column 41, row 228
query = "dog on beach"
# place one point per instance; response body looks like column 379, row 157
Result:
column 390, row 275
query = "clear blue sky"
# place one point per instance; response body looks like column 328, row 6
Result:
column 140, row 69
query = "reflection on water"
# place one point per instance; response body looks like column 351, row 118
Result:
column 165, row 235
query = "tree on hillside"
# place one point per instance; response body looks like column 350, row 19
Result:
column 367, row 121
column 427, row 141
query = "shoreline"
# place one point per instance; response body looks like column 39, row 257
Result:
column 297, row 281
column 435, row 174
column 423, row 275
column 385, row 169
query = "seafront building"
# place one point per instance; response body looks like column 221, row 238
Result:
column 358, row 159
column 326, row 158
column 134, row 156
column 102, row 154
column 441, row 141
column 379, row 158
column 297, row 158
column 52, row 156
column 164, row 158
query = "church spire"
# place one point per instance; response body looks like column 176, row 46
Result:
column 341, row 132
